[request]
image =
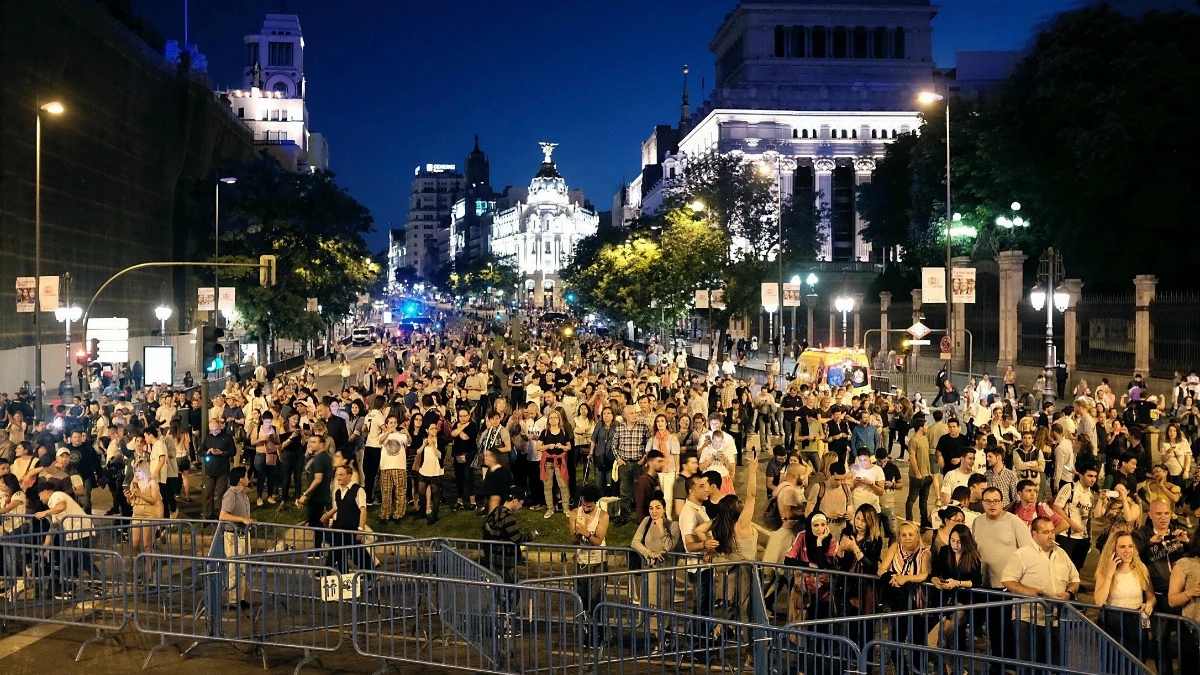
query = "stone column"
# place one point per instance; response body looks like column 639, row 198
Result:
column 885, row 301
column 787, row 177
column 857, row 334
column 1143, row 285
column 960, row 321
column 823, row 170
column 1011, row 294
column 916, row 316
column 835, row 335
column 863, row 168
column 1074, row 288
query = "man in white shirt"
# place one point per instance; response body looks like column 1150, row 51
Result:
column 692, row 515
column 1064, row 456
column 1041, row 569
column 867, row 481
column 717, row 450
column 1075, row 504
column 75, row 527
column 373, row 448
column 999, row 535
column 958, row 476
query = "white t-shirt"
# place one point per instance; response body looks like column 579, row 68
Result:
column 375, row 421
column 1064, row 456
column 690, row 517
column 399, row 460
column 7, row 523
column 1077, row 503
column 79, row 524
column 163, row 453
column 719, row 456
column 863, row 494
column 953, row 479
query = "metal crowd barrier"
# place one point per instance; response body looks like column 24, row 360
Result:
column 1172, row 641
column 240, row 601
column 900, row 657
column 475, row 624
column 64, row 583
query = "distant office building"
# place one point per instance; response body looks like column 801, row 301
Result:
column 539, row 228
column 397, row 246
column 470, row 220
column 435, row 188
column 271, row 99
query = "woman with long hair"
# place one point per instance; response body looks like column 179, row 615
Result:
column 430, row 469
column 144, row 495
column 585, row 422
column 904, row 570
column 183, row 458
column 859, row 551
column 1176, row 454
column 553, row 445
column 1123, row 582
column 656, row 536
column 356, row 430
column 956, row 566
column 603, row 435
column 265, row 439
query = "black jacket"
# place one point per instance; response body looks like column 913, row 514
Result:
column 337, row 431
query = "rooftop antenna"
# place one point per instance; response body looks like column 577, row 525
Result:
column 185, row 24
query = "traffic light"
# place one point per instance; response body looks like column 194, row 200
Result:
column 571, row 296
column 266, row 270
column 211, row 349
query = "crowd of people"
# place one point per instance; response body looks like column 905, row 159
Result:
column 1002, row 493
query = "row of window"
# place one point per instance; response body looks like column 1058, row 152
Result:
column 850, row 133
column 272, row 115
column 275, row 135
column 839, row 42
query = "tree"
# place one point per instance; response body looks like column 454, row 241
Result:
column 476, row 275
column 315, row 229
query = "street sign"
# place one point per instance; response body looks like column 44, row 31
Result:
column 946, row 344
column 945, row 356
column 918, row 343
column 919, row 330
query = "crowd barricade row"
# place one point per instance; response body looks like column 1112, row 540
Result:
column 307, row 587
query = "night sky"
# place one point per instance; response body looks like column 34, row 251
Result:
column 394, row 83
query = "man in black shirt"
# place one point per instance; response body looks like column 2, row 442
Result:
column 497, row 479
column 335, row 426
column 951, row 446
column 790, row 406
column 837, row 435
column 218, row 452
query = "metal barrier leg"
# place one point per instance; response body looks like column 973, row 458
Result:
column 308, row 658
column 384, row 667
column 99, row 637
column 162, row 644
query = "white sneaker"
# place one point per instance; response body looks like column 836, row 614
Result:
column 548, row 514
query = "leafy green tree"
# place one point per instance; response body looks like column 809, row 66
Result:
column 475, row 275
column 315, row 229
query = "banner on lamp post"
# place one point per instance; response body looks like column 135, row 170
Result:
column 228, row 298
column 962, row 284
column 933, row 285
column 718, row 299
column 206, row 299
column 312, row 305
column 49, row 294
column 791, row 295
column 701, row 301
column 770, row 295
column 26, row 292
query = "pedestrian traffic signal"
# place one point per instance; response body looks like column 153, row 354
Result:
column 266, row 270
column 211, row 349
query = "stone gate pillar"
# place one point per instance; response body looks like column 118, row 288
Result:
column 916, row 316
column 857, row 334
column 885, row 301
column 1074, row 289
column 961, row 348
column 1012, row 293
column 1143, row 285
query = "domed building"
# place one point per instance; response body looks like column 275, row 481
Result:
column 540, row 228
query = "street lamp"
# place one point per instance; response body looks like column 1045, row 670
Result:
column 844, row 304
column 229, row 180
column 162, row 313
column 1051, row 274
column 765, row 169
column 51, row 108
column 928, row 98
column 66, row 315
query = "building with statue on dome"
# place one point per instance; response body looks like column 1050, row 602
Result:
column 538, row 228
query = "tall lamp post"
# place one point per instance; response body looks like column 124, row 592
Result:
column 66, row 315
column 51, row 108
column 845, row 305
column 1050, row 275
column 162, row 313
column 217, row 245
column 927, row 98
column 765, row 168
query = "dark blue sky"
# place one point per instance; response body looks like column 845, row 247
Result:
column 396, row 83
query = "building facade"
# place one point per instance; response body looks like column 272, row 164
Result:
column 816, row 89
column 435, row 188
column 539, row 228
column 470, row 220
column 271, row 99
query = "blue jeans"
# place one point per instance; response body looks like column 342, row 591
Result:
column 267, row 476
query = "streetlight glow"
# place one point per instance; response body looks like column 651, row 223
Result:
column 928, row 97
column 697, row 206
column 1061, row 299
column 812, row 279
column 1015, row 206
column 162, row 313
column 844, row 304
column 54, row 108
column 68, row 313
column 1037, row 298
column 795, row 280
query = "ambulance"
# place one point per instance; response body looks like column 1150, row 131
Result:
column 834, row 367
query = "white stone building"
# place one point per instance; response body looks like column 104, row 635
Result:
column 271, row 99
column 816, row 88
column 540, row 229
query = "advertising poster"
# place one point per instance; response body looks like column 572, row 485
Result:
column 205, row 299
column 26, row 291
column 49, row 294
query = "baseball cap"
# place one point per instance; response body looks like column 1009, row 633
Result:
column 62, row 451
